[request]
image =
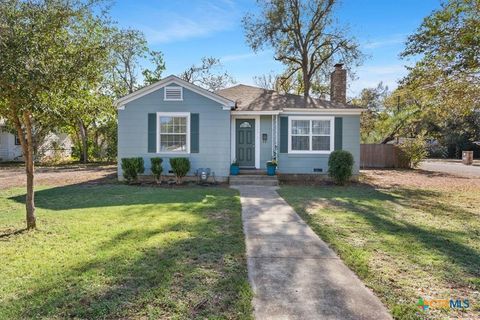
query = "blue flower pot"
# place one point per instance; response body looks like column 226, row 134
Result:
column 271, row 170
column 234, row 170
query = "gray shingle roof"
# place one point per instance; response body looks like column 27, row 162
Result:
column 249, row 98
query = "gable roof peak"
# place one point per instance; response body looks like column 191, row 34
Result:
column 166, row 81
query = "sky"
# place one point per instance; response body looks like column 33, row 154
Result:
column 187, row 30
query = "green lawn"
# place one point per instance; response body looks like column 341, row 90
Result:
column 404, row 243
column 116, row 251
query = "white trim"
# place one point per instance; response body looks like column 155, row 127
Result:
column 310, row 118
column 233, row 141
column 173, row 79
column 173, row 114
column 172, row 87
column 293, row 111
column 254, row 113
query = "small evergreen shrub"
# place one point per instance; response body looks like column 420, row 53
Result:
column 413, row 151
column 156, row 168
column 180, row 167
column 131, row 167
column 340, row 166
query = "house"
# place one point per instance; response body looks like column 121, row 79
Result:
column 174, row 118
column 55, row 145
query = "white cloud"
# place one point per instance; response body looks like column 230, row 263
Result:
column 243, row 56
column 370, row 76
column 380, row 43
column 201, row 20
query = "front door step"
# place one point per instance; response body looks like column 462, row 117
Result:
column 254, row 180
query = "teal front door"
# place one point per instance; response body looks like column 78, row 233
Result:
column 245, row 142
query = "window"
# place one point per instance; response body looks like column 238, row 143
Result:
column 173, row 94
column 17, row 140
column 173, row 132
column 245, row 124
column 310, row 135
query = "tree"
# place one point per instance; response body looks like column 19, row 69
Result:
column 47, row 49
column 152, row 76
column 278, row 83
column 373, row 101
column 208, row 74
column 446, row 76
column 450, row 37
column 304, row 38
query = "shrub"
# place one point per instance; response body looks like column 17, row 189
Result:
column 340, row 166
column 156, row 167
column 131, row 167
column 180, row 167
column 413, row 151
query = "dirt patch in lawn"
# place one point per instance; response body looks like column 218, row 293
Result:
column 15, row 176
column 417, row 179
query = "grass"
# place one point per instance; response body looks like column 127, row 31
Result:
column 404, row 243
column 117, row 251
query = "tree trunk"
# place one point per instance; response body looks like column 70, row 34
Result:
column 306, row 79
column 29, row 168
column 84, row 141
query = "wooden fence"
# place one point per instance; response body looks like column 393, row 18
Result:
column 380, row 156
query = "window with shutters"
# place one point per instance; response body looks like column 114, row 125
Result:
column 173, row 94
column 310, row 134
column 173, row 132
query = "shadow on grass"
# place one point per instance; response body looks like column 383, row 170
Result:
column 373, row 207
column 9, row 233
column 83, row 195
column 134, row 274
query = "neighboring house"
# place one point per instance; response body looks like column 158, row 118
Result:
column 174, row 118
column 54, row 146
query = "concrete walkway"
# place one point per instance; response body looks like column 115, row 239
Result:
column 294, row 274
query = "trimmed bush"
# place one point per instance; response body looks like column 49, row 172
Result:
column 156, row 168
column 131, row 167
column 180, row 167
column 340, row 166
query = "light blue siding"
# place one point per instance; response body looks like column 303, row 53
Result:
column 305, row 163
column 214, row 149
column 265, row 148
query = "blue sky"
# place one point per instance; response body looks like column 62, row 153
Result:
column 187, row 30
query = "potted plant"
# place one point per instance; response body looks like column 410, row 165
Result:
column 234, row 168
column 271, row 167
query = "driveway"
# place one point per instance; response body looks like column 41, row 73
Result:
column 453, row 167
column 293, row 273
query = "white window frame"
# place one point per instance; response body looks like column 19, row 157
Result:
column 307, row 118
column 172, row 87
column 173, row 114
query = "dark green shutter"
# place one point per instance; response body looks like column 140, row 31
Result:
column 338, row 138
column 152, row 132
column 194, row 133
column 283, row 134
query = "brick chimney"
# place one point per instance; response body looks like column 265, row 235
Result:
column 338, row 84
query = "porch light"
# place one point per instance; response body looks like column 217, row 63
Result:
column 264, row 137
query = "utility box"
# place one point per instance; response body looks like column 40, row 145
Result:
column 467, row 157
